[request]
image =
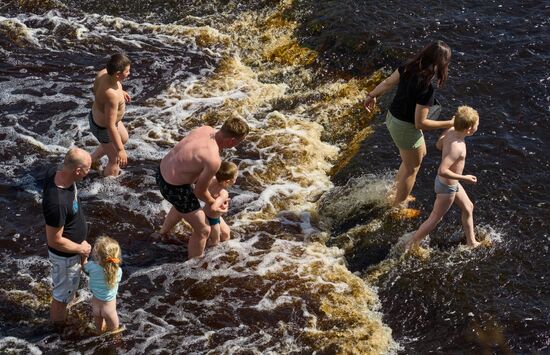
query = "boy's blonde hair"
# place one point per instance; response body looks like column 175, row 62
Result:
column 227, row 171
column 107, row 254
column 465, row 117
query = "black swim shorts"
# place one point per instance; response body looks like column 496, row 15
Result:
column 181, row 197
column 99, row 132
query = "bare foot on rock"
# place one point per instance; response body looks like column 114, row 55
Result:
column 168, row 239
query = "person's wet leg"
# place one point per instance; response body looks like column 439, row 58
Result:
column 411, row 159
column 201, row 231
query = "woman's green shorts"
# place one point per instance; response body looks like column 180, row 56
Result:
column 404, row 134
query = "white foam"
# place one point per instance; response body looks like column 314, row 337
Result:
column 28, row 34
column 289, row 259
column 16, row 345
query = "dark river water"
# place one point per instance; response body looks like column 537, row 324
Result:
column 314, row 265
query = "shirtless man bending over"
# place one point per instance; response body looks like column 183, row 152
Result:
column 195, row 160
column 106, row 116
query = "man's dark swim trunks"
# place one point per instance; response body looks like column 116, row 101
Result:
column 181, row 197
column 99, row 132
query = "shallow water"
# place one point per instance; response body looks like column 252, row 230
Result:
column 313, row 266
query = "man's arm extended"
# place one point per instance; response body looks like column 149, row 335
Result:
column 58, row 242
column 201, row 186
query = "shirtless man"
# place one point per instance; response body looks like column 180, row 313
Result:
column 195, row 160
column 106, row 116
column 447, row 186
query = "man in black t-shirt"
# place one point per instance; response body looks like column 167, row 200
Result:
column 66, row 229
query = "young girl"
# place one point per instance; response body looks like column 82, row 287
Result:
column 105, row 274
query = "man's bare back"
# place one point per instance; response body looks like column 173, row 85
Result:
column 194, row 154
column 107, row 93
column 196, row 160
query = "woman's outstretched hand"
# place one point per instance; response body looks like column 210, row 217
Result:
column 369, row 103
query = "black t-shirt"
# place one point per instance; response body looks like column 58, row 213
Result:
column 62, row 208
column 410, row 92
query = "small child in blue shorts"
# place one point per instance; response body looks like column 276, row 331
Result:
column 224, row 179
column 105, row 274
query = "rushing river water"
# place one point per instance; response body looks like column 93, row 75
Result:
column 314, row 265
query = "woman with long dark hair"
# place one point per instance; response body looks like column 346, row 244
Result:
column 408, row 113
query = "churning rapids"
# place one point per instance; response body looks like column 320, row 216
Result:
column 314, row 265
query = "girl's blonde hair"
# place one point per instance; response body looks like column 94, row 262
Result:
column 107, row 254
